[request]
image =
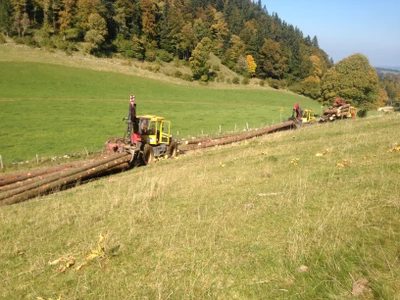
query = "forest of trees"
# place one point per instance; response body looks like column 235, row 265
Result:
column 242, row 33
column 390, row 84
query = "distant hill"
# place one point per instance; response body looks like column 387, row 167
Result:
column 395, row 70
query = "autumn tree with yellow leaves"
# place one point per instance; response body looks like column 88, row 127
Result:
column 251, row 65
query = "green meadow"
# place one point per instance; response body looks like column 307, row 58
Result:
column 52, row 110
column 306, row 214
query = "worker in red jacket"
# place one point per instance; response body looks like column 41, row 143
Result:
column 297, row 110
column 338, row 102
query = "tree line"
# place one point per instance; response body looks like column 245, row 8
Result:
column 242, row 33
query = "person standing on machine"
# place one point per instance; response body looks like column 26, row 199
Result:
column 297, row 111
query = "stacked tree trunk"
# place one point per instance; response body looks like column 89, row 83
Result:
column 331, row 114
column 205, row 143
column 15, row 189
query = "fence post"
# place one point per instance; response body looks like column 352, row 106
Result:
column 37, row 159
column 1, row 162
column 220, row 129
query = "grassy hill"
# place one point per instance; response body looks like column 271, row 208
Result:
column 54, row 105
column 306, row 214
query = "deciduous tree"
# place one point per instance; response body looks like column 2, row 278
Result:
column 19, row 7
column 199, row 60
column 66, row 17
column 353, row 79
column 25, row 22
column 149, row 14
column 187, row 42
column 311, row 87
column 316, row 66
column 237, row 48
column 97, row 32
column 219, row 33
column 274, row 62
column 251, row 65
column 383, row 97
column 84, row 8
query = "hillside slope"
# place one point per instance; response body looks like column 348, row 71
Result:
column 164, row 72
column 311, row 214
column 51, row 98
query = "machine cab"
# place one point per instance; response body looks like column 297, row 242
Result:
column 308, row 116
column 154, row 130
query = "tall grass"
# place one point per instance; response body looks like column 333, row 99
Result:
column 234, row 222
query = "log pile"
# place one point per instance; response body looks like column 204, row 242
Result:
column 332, row 114
column 15, row 189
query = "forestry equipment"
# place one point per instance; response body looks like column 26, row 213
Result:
column 308, row 117
column 147, row 137
column 340, row 110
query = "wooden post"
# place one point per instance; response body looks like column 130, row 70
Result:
column 1, row 162
column 37, row 159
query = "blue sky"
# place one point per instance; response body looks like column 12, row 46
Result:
column 345, row 27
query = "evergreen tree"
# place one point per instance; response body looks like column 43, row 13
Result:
column 314, row 41
column 248, row 32
column 233, row 17
column 123, row 12
column 5, row 16
column 307, row 41
column 174, row 16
